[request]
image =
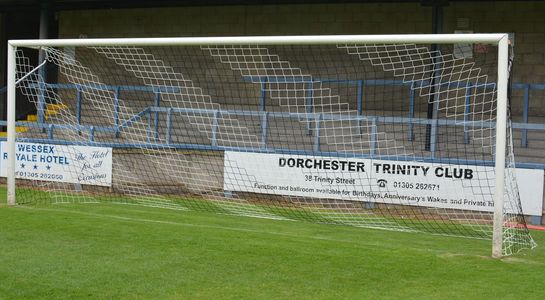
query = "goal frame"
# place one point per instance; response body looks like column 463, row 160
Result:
column 498, row 39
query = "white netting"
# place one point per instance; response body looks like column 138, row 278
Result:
column 331, row 134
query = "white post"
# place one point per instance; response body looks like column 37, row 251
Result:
column 501, row 136
column 11, row 124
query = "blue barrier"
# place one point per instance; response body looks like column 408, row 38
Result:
column 79, row 88
column 263, row 97
column 215, row 115
column 264, row 129
column 200, row 147
column 469, row 87
column 526, row 106
column 156, row 110
column 264, row 80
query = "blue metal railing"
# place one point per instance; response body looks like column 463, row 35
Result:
column 153, row 133
column 411, row 85
column 81, row 89
column 153, row 113
column 526, row 87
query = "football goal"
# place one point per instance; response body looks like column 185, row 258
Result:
column 397, row 132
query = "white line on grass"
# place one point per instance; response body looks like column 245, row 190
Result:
column 361, row 243
column 189, row 224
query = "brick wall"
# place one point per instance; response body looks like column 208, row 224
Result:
column 3, row 46
column 248, row 20
column 523, row 18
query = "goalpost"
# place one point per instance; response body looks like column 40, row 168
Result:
column 329, row 129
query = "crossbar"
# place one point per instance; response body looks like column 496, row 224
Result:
column 491, row 38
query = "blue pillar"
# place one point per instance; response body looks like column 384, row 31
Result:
column 433, row 138
column 116, row 110
column 156, row 120
column 374, row 133
column 50, row 131
column 411, row 111
column 525, row 108
column 263, row 98
column 78, row 104
column 264, row 129
column 92, row 134
column 317, row 132
column 215, row 126
column 535, row 220
column 359, row 104
column 41, row 103
column 467, row 112
column 169, row 126
column 309, row 104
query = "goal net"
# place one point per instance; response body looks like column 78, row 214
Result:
column 361, row 131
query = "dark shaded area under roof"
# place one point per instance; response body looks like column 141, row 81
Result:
column 97, row 4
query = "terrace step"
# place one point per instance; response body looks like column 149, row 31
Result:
column 18, row 129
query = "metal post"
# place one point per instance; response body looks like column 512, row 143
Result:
column 411, row 111
column 215, row 127
column 169, row 125
column 156, row 120
column 359, row 103
column 148, row 132
column 317, row 133
column 116, row 110
column 501, row 142
column 433, row 138
column 41, row 103
column 467, row 111
column 374, row 137
column 50, row 131
column 264, row 129
column 11, row 125
column 78, row 105
column 437, row 28
column 525, row 109
column 310, row 104
column 44, row 34
column 263, row 98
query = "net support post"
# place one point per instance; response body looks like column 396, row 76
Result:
column 501, row 136
column 10, row 144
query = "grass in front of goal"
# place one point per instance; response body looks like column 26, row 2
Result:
column 123, row 251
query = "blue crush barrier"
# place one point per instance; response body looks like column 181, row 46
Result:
column 153, row 113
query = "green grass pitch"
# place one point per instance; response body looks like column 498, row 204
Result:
column 125, row 252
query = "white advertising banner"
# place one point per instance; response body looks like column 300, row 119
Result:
column 396, row 182
column 72, row 164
